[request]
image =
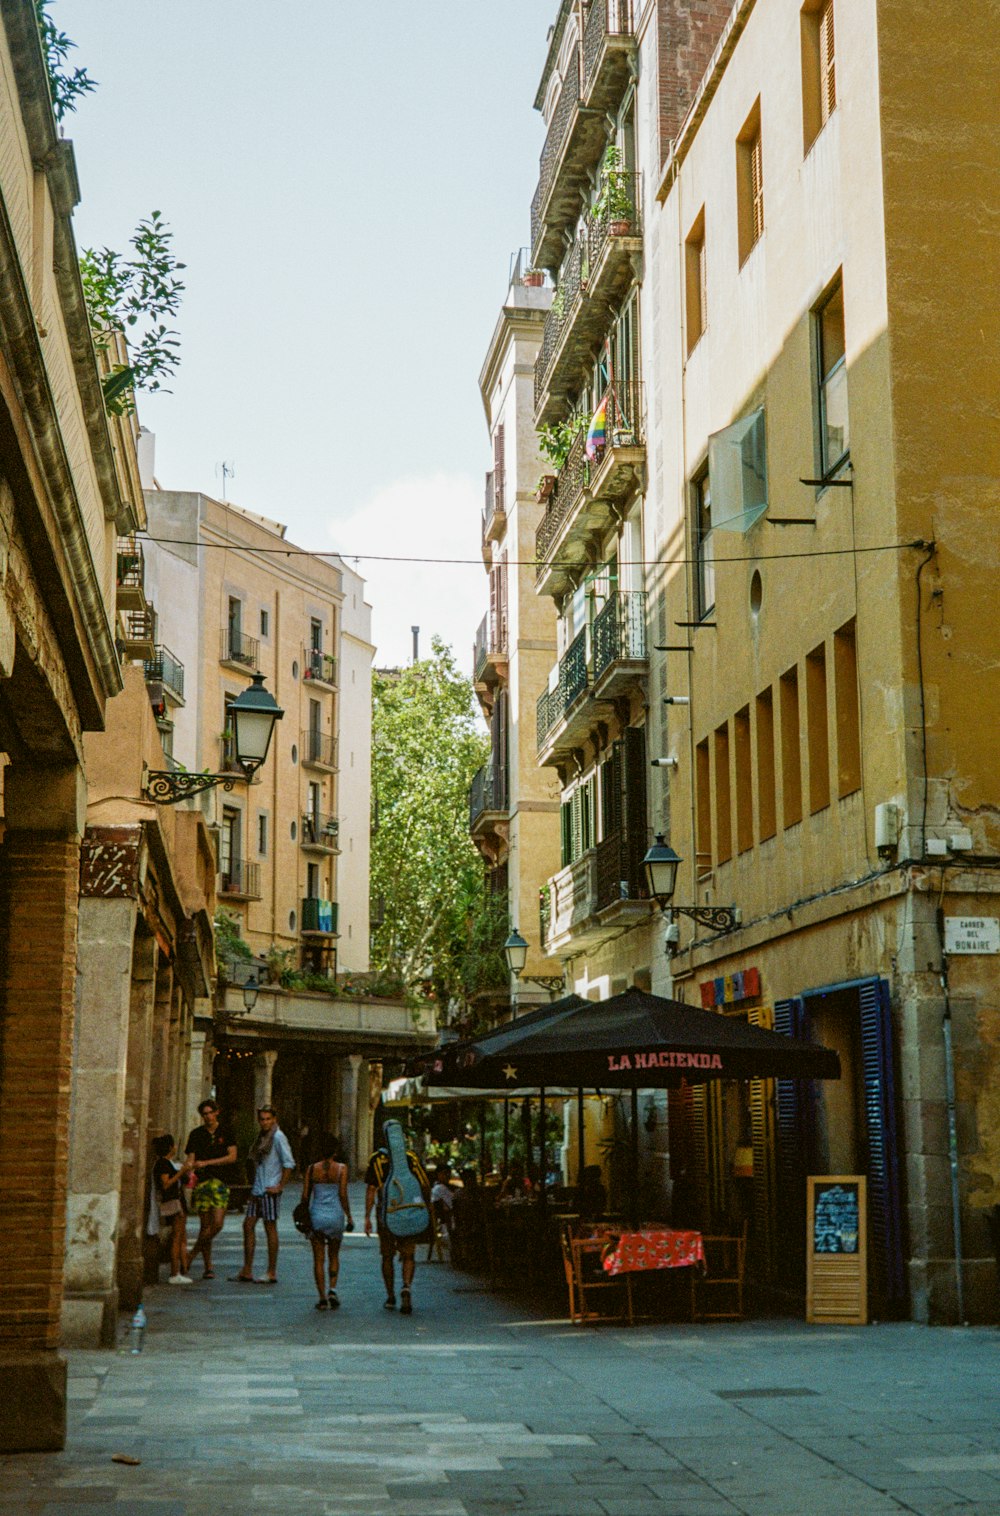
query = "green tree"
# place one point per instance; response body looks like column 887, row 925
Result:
column 426, row 749
column 132, row 296
column 66, row 85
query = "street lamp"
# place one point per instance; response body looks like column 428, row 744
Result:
column 251, row 990
column 660, row 866
column 515, row 950
column 253, row 715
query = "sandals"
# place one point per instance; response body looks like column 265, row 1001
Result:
column 332, row 1301
column 208, row 1274
column 321, row 1304
column 390, row 1303
column 405, row 1303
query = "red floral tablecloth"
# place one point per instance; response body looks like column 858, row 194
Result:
column 660, row 1249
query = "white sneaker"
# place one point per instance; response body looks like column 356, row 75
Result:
column 179, row 1279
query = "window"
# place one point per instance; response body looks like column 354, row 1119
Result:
column 819, row 69
column 264, row 623
column 695, row 288
column 750, row 184
column 312, row 881
column 723, row 807
column 817, row 730
column 831, row 371
column 766, row 815
column 703, row 815
column 744, row 780
column 791, row 762
column 262, row 836
column 229, row 849
column 315, row 635
column 704, row 561
column 845, row 673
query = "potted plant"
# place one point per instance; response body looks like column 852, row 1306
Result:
column 534, row 278
column 615, row 205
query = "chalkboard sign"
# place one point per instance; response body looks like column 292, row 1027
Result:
column 836, row 1219
column 837, row 1251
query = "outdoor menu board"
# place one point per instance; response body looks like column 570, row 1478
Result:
column 837, row 1250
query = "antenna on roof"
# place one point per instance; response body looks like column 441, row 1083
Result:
column 228, row 471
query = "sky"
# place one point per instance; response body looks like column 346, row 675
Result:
column 346, row 184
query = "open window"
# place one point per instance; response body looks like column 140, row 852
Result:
column 737, row 471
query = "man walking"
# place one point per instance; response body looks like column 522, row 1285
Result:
column 211, row 1151
column 273, row 1167
column 389, row 1245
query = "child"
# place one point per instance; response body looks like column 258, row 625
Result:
column 167, row 1178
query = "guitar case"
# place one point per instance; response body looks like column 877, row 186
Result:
column 404, row 1209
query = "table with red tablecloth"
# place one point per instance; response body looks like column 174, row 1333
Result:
column 653, row 1248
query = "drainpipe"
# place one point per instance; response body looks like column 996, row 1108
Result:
column 949, row 1077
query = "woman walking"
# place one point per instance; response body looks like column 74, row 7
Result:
column 325, row 1189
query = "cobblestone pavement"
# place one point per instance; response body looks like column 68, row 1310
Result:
column 246, row 1398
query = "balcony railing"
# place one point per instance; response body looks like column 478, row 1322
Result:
column 618, row 872
column 236, row 647
column 572, row 681
column 572, row 282
column 319, row 665
column 319, row 749
column 622, row 218
column 130, row 573
column 494, row 510
column 619, row 632
column 140, row 632
column 167, row 670
column 608, row 19
column 491, row 642
column 320, row 831
column 570, row 485
column 555, row 140
column 319, row 916
column 240, row 878
column 487, row 792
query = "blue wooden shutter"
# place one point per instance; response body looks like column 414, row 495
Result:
column 885, row 1219
column 793, row 1100
column 762, row 1105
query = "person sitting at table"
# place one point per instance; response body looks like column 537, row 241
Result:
column 443, row 1199
column 591, row 1196
column 516, row 1185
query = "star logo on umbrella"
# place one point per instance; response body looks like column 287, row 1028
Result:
column 510, row 1072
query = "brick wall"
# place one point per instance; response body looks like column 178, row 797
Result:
column 687, row 34
column 38, row 912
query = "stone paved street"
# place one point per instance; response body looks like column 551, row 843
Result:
column 246, row 1398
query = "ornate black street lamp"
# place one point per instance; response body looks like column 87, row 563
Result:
column 660, row 866
column 253, row 715
column 515, row 950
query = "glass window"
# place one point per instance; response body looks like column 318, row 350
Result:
column 831, row 366
column 704, row 561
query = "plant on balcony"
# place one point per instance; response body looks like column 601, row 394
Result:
column 558, row 306
column 534, row 278
column 614, row 206
column 556, row 439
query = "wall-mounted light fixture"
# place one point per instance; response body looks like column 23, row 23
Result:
column 660, row 866
column 515, row 950
column 253, row 715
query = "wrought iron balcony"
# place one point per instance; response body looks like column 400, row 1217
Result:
column 619, row 640
column 164, row 669
column 139, row 634
column 589, row 493
column 236, row 647
column 596, row 274
column 489, row 658
column 588, row 901
column 571, row 683
column 494, row 514
column 487, row 794
column 619, row 873
column 319, row 667
column 318, row 749
column 608, row 47
column 130, row 575
column 319, row 916
column 240, row 880
column 320, row 833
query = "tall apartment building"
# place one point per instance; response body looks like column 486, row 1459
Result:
column 293, row 846
column 823, row 466
column 513, row 806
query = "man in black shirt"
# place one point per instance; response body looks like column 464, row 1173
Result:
column 213, row 1152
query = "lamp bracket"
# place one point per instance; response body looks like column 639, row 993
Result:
column 168, row 786
column 550, row 982
column 718, row 918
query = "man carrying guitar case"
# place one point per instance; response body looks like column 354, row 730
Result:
column 396, row 1177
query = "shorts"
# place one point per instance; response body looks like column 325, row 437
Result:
column 265, row 1206
column 404, row 1246
column 209, row 1195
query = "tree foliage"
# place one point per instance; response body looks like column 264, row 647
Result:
column 66, row 85
column 133, row 296
column 426, row 749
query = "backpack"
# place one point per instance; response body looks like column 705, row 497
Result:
column 404, row 1209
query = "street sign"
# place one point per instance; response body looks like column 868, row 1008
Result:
column 972, row 934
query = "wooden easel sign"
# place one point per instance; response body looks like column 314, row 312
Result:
column 837, row 1250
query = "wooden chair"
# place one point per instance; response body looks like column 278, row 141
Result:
column 589, row 1284
column 722, row 1281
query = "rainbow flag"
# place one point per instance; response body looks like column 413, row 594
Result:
column 597, row 431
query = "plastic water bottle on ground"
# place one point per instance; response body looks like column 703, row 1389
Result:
column 138, row 1330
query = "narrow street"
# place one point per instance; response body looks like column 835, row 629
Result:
column 245, row 1397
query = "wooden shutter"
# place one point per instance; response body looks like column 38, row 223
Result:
column 700, row 1185
column 761, row 1094
column 498, row 468
column 791, row 1158
column 634, row 829
column 827, row 64
column 885, row 1221
column 501, row 627
column 757, row 187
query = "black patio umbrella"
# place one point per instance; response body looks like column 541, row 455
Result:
column 448, row 1063
column 637, row 1041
